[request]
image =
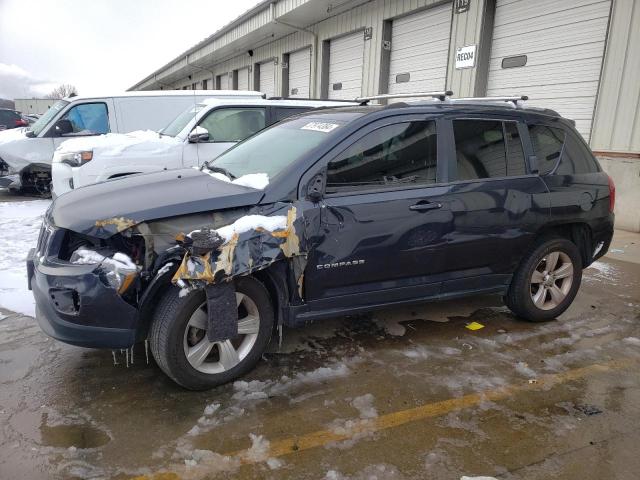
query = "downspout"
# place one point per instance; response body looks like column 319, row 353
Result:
column 213, row 75
column 272, row 8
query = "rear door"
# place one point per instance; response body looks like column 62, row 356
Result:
column 497, row 204
column 382, row 218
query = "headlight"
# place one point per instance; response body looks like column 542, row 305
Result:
column 119, row 269
column 73, row 159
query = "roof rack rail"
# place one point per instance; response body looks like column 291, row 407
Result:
column 515, row 99
column 385, row 96
column 311, row 99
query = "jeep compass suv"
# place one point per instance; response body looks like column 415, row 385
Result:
column 326, row 213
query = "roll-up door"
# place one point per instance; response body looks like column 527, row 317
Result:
column 223, row 82
column 419, row 51
column 299, row 73
column 268, row 78
column 243, row 79
column 551, row 51
column 346, row 59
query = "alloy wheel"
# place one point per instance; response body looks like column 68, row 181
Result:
column 551, row 280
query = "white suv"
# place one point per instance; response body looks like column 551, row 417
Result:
column 199, row 134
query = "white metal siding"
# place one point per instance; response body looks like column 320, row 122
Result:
column 300, row 73
column 564, row 43
column 345, row 66
column 243, row 79
column 420, row 48
column 268, row 78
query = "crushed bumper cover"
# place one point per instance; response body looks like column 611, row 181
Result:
column 74, row 305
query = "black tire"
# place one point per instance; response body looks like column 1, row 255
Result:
column 171, row 318
column 519, row 297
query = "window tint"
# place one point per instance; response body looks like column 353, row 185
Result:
column 576, row 158
column 233, row 124
column 515, row 154
column 280, row 113
column 547, row 145
column 88, row 119
column 391, row 156
column 480, row 149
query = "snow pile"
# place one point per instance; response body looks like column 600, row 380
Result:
column 115, row 144
column 119, row 262
column 20, row 225
column 259, row 181
column 364, row 404
column 252, row 222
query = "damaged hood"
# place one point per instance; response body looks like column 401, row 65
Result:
column 103, row 209
column 16, row 149
column 138, row 143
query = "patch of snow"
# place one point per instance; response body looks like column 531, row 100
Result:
column 380, row 471
column 259, row 181
column 259, row 450
column 451, row 351
column 464, row 477
column 20, row 225
column 252, row 222
column 364, row 404
column 12, row 134
column 632, row 341
column 274, row 463
column 119, row 262
column 165, row 268
column 523, row 369
column 418, row 352
column 115, row 144
column 603, row 271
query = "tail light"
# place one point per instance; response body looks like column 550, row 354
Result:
column 612, row 194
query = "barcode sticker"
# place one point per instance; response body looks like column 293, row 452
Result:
column 320, row 127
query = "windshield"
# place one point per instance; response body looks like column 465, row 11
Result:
column 181, row 121
column 274, row 149
column 42, row 122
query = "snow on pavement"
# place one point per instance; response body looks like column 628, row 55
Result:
column 20, row 224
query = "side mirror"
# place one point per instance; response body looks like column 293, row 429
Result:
column 198, row 135
column 315, row 188
column 63, row 127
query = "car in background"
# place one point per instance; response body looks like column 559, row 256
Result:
column 364, row 207
column 199, row 134
column 26, row 153
column 11, row 119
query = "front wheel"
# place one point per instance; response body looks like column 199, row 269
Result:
column 179, row 340
column 546, row 281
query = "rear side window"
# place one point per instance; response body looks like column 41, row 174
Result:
column 280, row 113
column 547, row 145
column 403, row 154
column 487, row 148
column 576, row 158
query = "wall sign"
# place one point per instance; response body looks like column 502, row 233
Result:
column 461, row 6
column 466, row 56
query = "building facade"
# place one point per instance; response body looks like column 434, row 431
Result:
column 579, row 57
column 34, row 105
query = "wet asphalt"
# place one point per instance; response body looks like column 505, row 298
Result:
column 405, row 393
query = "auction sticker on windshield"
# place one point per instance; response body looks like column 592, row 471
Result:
column 320, row 127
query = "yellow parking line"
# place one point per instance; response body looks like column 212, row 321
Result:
column 287, row 446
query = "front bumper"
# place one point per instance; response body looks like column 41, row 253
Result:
column 75, row 306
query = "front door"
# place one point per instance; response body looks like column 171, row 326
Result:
column 382, row 220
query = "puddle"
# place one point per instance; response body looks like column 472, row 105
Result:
column 78, row 436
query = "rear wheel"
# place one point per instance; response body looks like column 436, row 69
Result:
column 179, row 340
column 546, row 281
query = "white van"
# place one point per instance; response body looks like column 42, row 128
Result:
column 199, row 134
column 26, row 153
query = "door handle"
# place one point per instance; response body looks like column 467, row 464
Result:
column 422, row 206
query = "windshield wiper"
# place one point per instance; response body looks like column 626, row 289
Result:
column 224, row 171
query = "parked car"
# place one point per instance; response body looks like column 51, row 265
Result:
column 11, row 119
column 26, row 153
column 199, row 134
column 363, row 207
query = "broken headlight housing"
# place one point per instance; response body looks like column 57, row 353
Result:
column 118, row 270
column 73, row 159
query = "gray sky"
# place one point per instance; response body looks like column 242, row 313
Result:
column 99, row 46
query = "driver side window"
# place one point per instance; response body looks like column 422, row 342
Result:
column 85, row 119
column 394, row 156
column 233, row 124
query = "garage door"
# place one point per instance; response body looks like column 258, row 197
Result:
column 551, row 51
column 346, row 58
column 243, row 79
column 268, row 78
column 419, row 51
column 223, row 82
column 299, row 73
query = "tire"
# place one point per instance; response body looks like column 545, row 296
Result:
column 174, row 333
column 525, row 297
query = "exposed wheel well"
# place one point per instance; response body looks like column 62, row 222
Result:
column 578, row 233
